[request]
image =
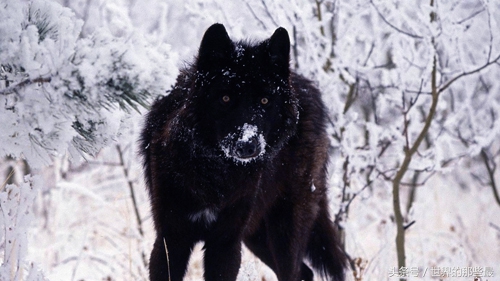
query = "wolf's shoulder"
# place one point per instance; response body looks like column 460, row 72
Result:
column 306, row 90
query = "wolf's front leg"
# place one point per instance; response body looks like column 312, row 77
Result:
column 222, row 259
column 223, row 242
column 288, row 228
column 174, row 267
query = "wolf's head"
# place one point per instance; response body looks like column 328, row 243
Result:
column 245, row 106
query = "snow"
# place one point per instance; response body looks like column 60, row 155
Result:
column 240, row 51
column 16, row 204
column 74, row 219
column 248, row 132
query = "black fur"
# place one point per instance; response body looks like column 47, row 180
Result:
column 237, row 152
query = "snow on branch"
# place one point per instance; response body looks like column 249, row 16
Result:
column 22, row 84
column 61, row 92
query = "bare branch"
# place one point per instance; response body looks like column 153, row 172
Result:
column 368, row 184
column 491, row 174
column 409, row 152
column 490, row 47
column 406, row 123
column 416, row 183
column 349, row 199
column 479, row 179
column 268, row 12
column 473, row 15
column 11, row 173
column 494, row 226
column 320, row 16
column 413, row 101
column 372, row 47
column 467, row 73
column 295, row 47
column 133, row 197
column 255, row 15
column 393, row 26
column 168, row 260
column 351, row 95
column 408, row 225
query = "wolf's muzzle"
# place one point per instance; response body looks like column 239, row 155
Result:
column 247, row 148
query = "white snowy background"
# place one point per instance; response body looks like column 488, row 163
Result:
column 412, row 88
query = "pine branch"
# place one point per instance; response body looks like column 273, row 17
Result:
column 25, row 83
column 42, row 23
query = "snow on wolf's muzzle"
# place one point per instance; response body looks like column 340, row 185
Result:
column 245, row 145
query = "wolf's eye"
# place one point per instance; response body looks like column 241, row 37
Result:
column 226, row 99
column 264, row 101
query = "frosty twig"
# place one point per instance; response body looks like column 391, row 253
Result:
column 133, row 197
column 491, row 174
column 15, row 88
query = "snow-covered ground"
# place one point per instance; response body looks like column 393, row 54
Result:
column 86, row 229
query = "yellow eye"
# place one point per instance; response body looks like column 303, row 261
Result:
column 225, row 99
column 264, row 101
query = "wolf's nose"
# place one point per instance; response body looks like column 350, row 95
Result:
column 248, row 149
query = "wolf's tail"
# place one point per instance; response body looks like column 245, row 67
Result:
column 324, row 249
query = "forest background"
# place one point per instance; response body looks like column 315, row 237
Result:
column 412, row 88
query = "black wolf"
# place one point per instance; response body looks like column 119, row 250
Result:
column 237, row 152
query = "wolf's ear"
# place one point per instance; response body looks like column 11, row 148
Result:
column 279, row 48
column 214, row 47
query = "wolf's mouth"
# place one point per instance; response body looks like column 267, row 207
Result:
column 245, row 145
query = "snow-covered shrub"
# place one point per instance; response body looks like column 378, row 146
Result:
column 60, row 92
column 16, row 213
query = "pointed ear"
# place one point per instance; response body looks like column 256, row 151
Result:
column 279, row 48
column 215, row 46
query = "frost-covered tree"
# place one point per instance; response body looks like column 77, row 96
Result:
column 418, row 96
column 62, row 93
